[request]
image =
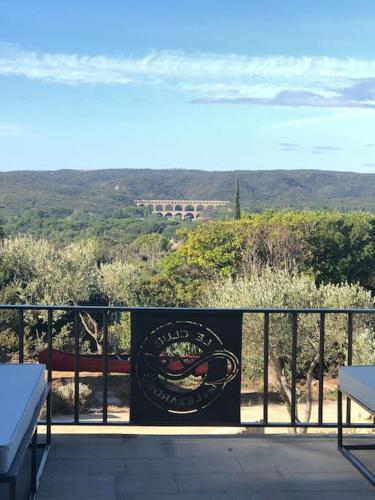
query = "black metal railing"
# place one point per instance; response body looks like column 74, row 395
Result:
column 294, row 314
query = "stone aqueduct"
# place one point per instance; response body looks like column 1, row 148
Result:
column 180, row 209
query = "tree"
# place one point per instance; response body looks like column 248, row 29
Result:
column 343, row 248
column 150, row 246
column 282, row 289
column 236, row 204
column 332, row 247
column 213, row 249
column 276, row 240
column 120, row 281
column 37, row 272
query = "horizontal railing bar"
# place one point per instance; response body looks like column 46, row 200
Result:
column 294, row 312
column 314, row 425
column 169, row 310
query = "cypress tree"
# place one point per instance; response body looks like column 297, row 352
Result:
column 236, row 203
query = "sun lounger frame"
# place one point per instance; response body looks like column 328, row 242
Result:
column 30, row 440
column 346, row 449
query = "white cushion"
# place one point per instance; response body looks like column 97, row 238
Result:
column 21, row 390
column 359, row 382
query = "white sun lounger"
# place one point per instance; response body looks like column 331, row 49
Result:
column 358, row 383
column 23, row 391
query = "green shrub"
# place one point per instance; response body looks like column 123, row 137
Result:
column 120, row 333
column 281, row 289
column 63, row 398
column 8, row 345
column 63, row 340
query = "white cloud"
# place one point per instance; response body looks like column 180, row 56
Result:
column 286, row 81
column 8, row 129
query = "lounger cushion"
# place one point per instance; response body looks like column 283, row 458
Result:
column 22, row 388
column 359, row 382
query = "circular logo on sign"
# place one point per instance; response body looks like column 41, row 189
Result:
column 182, row 367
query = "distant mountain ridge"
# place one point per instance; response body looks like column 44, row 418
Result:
column 100, row 192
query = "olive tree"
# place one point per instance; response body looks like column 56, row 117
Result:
column 280, row 289
column 36, row 272
column 24, row 271
column 120, row 282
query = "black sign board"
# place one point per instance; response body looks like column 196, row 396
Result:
column 185, row 368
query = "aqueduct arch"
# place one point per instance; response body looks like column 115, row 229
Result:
column 181, row 209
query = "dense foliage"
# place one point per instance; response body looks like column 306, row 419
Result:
column 267, row 259
column 331, row 247
column 71, row 204
column 282, row 289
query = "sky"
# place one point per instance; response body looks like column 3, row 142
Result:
column 202, row 84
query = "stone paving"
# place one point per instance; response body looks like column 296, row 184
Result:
column 167, row 467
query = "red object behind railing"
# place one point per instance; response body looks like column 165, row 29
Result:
column 64, row 361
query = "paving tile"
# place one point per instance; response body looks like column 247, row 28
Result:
column 200, row 468
column 306, row 456
column 256, row 458
column 194, row 496
column 93, row 488
column 84, row 467
column 211, row 447
column 58, row 439
column 323, row 495
column 61, row 495
column 129, row 449
column 146, row 483
column 143, row 448
column 328, row 481
column 186, row 465
column 208, row 449
column 232, row 483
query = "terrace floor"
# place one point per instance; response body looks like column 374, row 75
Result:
column 200, row 467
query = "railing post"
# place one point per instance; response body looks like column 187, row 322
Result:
column 49, row 344
column 49, row 375
column 294, row 366
column 76, row 366
column 339, row 418
column 21, row 336
column 321, row 365
column 265, row 365
column 34, row 467
column 105, row 366
column 350, row 361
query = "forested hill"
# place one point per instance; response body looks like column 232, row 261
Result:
column 103, row 192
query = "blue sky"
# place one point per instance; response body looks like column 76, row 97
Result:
column 201, row 84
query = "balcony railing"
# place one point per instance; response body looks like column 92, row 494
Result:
column 107, row 312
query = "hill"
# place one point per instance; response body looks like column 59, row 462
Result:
column 66, row 205
column 103, row 193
